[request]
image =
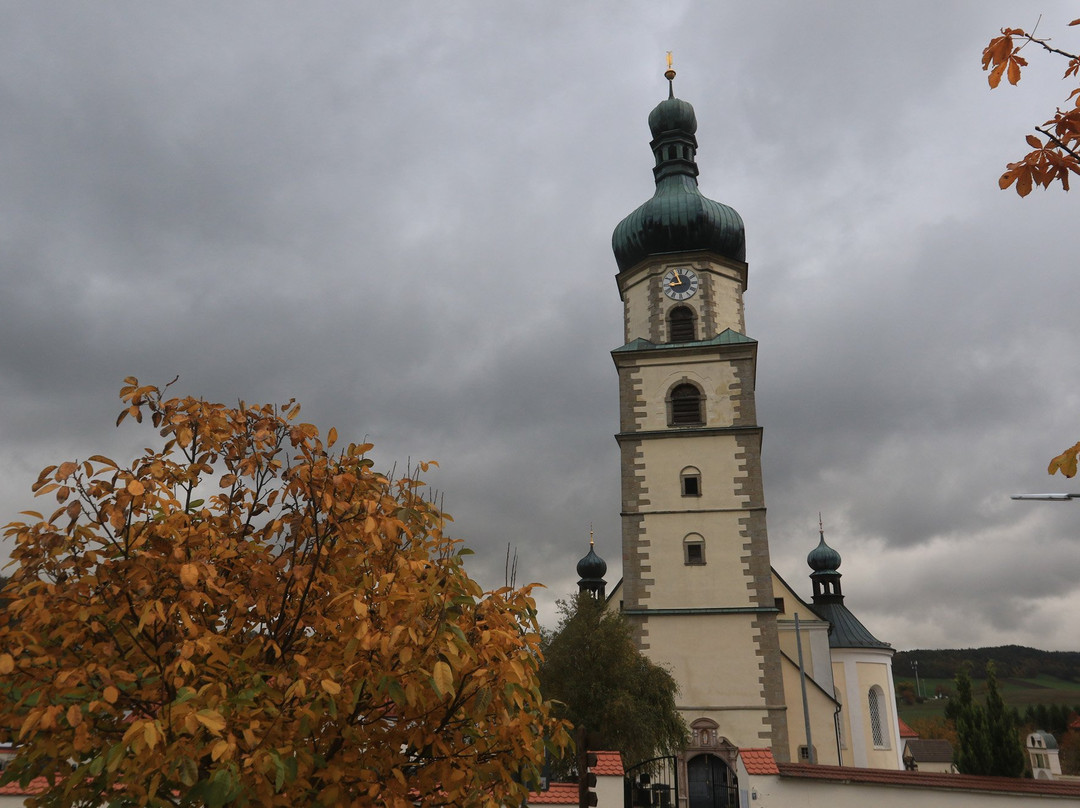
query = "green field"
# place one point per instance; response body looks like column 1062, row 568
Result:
column 1018, row 693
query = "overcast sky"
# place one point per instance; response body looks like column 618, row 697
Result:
column 400, row 214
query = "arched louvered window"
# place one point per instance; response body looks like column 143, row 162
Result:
column 681, row 325
column 686, row 406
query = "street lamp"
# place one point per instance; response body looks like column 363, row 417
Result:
column 1047, row 497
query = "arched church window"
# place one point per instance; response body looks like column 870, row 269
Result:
column 694, row 550
column 686, row 405
column 681, row 324
column 690, row 482
column 878, row 722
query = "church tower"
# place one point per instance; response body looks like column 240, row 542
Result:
column 697, row 583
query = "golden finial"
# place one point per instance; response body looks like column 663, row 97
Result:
column 590, row 536
column 669, row 74
column 820, row 525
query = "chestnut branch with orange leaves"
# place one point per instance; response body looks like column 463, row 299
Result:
column 1057, row 153
column 247, row 615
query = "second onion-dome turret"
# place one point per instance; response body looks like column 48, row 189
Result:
column 845, row 630
column 677, row 218
column 592, row 569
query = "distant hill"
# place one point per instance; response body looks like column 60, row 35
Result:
column 1011, row 661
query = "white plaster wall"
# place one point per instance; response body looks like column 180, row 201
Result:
column 773, row 791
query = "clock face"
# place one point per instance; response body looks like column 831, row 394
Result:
column 681, row 283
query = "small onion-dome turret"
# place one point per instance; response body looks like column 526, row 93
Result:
column 845, row 630
column 823, row 558
column 592, row 569
column 677, row 218
column 592, row 566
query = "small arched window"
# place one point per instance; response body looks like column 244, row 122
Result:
column 686, row 405
column 690, row 482
column 694, row 550
column 878, row 723
column 681, row 325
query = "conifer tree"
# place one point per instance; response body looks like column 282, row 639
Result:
column 972, row 754
column 987, row 738
column 1006, row 753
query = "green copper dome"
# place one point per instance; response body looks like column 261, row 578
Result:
column 823, row 558
column 677, row 218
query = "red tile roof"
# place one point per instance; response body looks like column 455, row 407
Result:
column 35, row 786
column 608, row 764
column 557, row 794
column 905, row 730
column 758, row 761
column 951, row 782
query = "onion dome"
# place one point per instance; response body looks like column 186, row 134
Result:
column 592, row 569
column 677, row 218
column 592, row 566
column 823, row 558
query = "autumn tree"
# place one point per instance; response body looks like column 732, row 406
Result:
column 599, row 680
column 248, row 615
column 1056, row 148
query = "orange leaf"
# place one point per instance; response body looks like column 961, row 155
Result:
column 443, row 678
column 331, row 687
column 995, row 75
column 1014, row 71
column 7, row 664
column 1034, row 142
column 135, row 488
column 211, row 719
column 110, row 694
column 189, row 575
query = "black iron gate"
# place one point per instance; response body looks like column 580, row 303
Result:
column 652, row 784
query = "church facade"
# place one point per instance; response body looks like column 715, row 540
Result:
column 758, row 667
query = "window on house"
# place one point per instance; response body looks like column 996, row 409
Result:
column 804, row 754
column 686, row 409
column 690, row 481
column 878, row 723
column 779, row 604
column 694, row 550
column 681, row 325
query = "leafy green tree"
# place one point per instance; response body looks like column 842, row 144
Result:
column 600, row 680
column 244, row 616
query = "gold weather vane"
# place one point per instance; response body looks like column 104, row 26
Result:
column 669, row 74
